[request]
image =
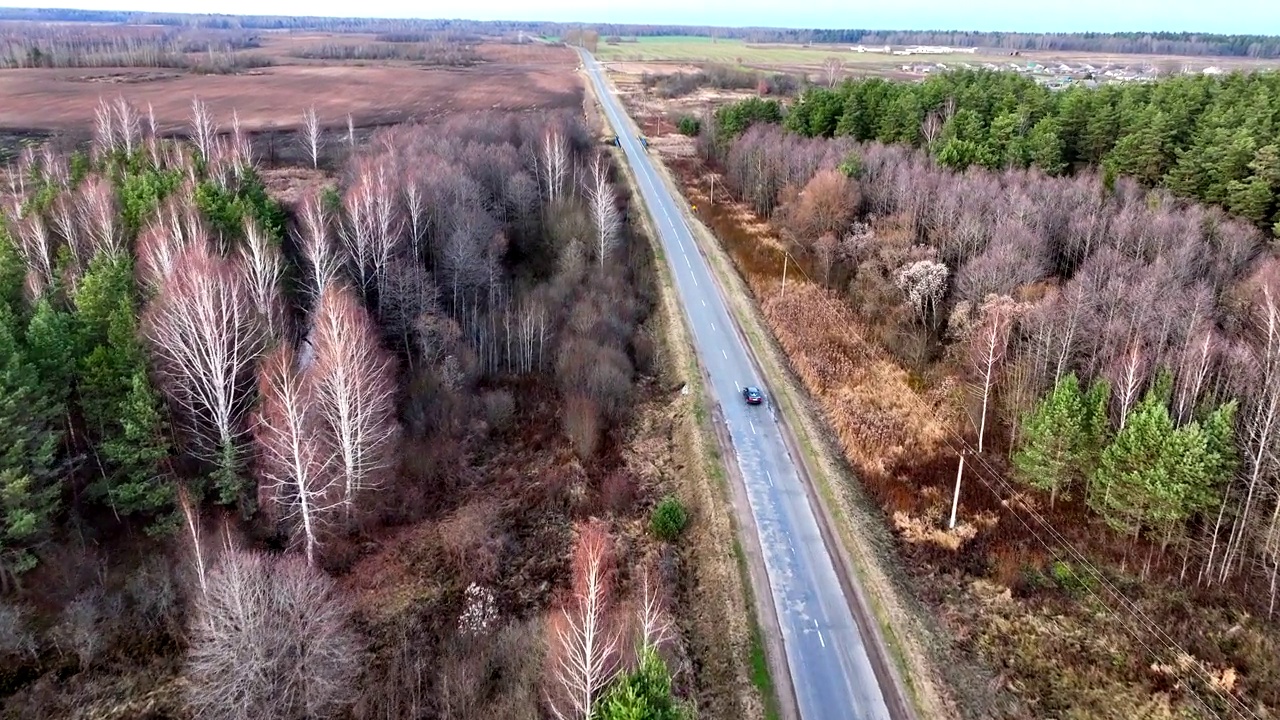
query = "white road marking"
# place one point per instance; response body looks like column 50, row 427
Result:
column 769, row 478
column 713, row 326
column 753, row 427
column 704, row 303
column 695, row 279
column 686, row 262
column 722, row 352
column 736, row 385
column 824, row 642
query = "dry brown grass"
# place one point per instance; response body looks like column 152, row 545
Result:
column 878, row 417
column 515, row 77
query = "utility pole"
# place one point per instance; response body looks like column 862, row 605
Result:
column 955, row 498
column 785, row 255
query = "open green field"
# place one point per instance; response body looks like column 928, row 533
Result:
column 737, row 52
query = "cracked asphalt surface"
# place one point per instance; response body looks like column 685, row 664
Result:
column 830, row 668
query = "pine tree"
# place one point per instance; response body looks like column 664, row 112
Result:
column 30, row 436
column 1132, row 473
column 1053, row 437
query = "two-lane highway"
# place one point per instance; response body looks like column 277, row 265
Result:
column 830, row 669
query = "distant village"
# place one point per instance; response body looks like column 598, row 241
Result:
column 1054, row 75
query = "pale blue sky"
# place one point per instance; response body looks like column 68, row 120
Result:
column 1224, row 16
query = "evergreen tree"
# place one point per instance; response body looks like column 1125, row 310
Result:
column 30, row 436
column 121, row 410
column 1054, row 436
column 642, row 694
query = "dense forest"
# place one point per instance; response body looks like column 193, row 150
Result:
column 1213, row 139
column 360, row 457
column 1103, row 352
column 1113, row 309
column 1159, row 43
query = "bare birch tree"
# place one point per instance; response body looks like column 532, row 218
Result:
column 355, row 390
column 832, row 69
column 584, row 643
column 295, row 466
column 312, row 135
column 314, row 235
column 35, row 243
column 604, row 209
column 104, row 128
column 554, row 165
column 97, row 204
column 206, row 338
column 204, row 129
column 263, row 266
column 128, row 125
column 153, row 136
column 1261, row 418
column 1127, row 376
column 241, row 146
column 987, row 350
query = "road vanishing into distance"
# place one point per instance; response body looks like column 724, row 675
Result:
column 830, row 668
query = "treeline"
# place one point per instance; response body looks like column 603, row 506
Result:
column 180, row 349
column 1214, row 139
column 44, row 46
column 1121, row 343
column 437, row 52
column 1160, row 43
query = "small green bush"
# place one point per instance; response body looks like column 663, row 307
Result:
column 669, row 519
column 689, row 125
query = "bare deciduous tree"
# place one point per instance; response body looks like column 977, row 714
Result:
column 191, row 516
column 554, row 162
column 241, row 146
column 584, row 644
column 604, row 209
column 987, row 349
column 263, row 267
column 314, row 236
column 312, row 135
column 832, row 69
column 129, row 124
column 206, row 337
column 355, row 390
column 35, row 243
column 97, row 204
column 295, row 463
column 204, row 129
column 271, row 639
column 104, row 128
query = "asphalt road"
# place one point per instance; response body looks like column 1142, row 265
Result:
column 830, row 670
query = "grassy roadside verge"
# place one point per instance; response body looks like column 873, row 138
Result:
column 718, row 613
column 863, row 537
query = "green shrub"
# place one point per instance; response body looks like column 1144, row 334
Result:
column 689, row 125
column 669, row 519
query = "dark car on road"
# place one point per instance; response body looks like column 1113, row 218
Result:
column 752, row 395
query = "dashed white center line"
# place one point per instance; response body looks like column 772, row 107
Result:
column 686, row 262
column 704, row 303
column 722, row 352
column 713, row 326
column 768, row 477
column 753, row 427
column 736, row 385
column 824, row 642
